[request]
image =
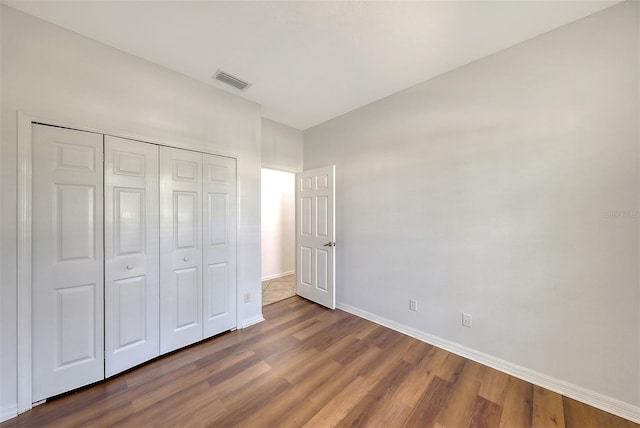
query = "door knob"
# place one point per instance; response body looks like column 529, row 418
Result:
column 330, row 244
column 186, row 259
column 129, row 267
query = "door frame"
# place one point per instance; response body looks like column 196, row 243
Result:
column 294, row 172
column 24, row 231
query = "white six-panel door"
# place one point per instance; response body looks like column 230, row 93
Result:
column 67, row 260
column 315, row 236
column 219, row 236
column 132, row 288
column 180, row 248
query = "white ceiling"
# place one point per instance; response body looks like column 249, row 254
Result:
column 310, row 61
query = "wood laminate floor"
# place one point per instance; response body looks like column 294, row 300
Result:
column 309, row 366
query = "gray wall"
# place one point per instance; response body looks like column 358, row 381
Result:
column 53, row 73
column 489, row 190
column 281, row 146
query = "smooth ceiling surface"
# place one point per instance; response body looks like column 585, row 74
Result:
column 310, row 61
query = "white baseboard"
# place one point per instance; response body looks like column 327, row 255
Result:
column 278, row 275
column 251, row 321
column 592, row 398
column 9, row 412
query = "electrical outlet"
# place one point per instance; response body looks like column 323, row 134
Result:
column 466, row 320
column 413, row 305
column 247, row 297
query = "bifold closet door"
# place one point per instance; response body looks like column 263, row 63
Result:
column 180, row 248
column 132, row 254
column 219, row 279
column 67, row 260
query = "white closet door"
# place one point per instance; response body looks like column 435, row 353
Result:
column 180, row 248
column 219, row 280
column 67, row 299
column 132, row 253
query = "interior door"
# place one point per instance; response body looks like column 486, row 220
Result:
column 132, row 253
column 315, row 236
column 180, row 248
column 67, row 281
column 219, row 246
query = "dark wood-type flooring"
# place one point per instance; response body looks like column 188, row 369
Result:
column 309, row 366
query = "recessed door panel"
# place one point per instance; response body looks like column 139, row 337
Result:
column 127, row 163
column 130, row 298
column 217, row 206
column 305, row 266
column 75, row 157
column 306, row 216
column 129, row 220
column 187, row 302
column 218, row 173
column 306, row 183
column 75, row 217
column 322, row 217
column 218, row 290
column 322, row 267
column 184, row 170
column 219, row 252
column 322, row 181
column 181, row 253
column 132, row 254
column 185, row 217
column 76, row 322
column 67, row 258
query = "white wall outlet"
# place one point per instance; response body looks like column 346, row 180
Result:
column 466, row 320
column 247, row 297
column 413, row 305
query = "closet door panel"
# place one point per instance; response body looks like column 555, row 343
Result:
column 67, row 282
column 180, row 248
column 219, row 281
column 132, row 253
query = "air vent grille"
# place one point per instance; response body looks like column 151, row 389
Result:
column 230, row 80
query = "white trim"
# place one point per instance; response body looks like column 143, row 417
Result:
column 252, row 321
column 277, row 167
column 24, row 220
column 24, row 262
column 592, row 398
column 278, row 275
column 238, row 189
column 8, row 412
column 1, row 288
column 296, row 193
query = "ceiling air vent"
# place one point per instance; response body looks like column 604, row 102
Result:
column 230, row 80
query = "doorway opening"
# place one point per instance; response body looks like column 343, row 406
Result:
column 278, row 235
